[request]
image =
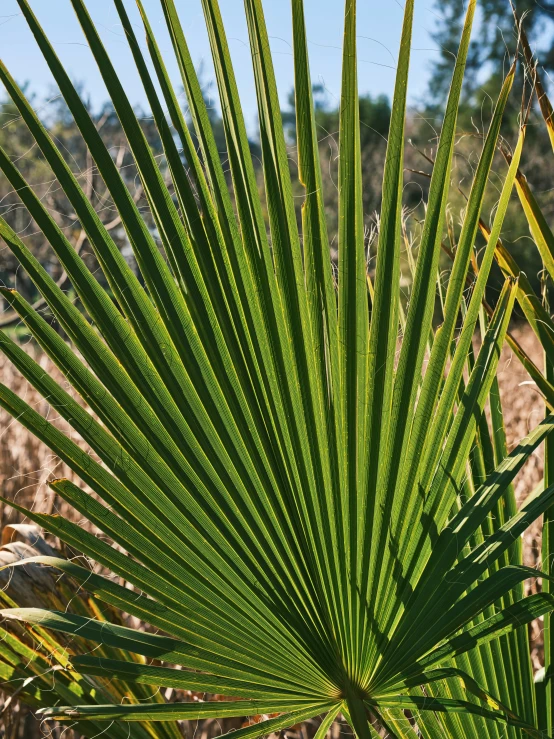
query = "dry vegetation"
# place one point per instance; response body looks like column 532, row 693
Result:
column 25, row 463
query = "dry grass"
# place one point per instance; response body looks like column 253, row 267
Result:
column 25, row 463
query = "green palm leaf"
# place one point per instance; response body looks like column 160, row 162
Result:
column 289, row 504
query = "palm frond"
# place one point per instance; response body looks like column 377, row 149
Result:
column 289, row 503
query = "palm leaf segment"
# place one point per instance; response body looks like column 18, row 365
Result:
column 289, row 500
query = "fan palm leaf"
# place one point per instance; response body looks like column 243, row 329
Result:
column 288, row 501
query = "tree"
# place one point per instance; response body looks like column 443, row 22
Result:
column 492, row 49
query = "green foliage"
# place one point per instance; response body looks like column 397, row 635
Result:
column 313, row 519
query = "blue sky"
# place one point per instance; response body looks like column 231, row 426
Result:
column 379, row 24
